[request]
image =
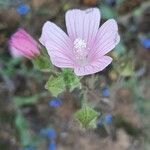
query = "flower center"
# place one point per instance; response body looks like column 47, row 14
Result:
column 79, row 43
column 80, row 51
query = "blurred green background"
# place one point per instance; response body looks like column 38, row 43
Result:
column 28, row 122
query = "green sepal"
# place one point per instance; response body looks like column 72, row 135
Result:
column 55, row 85
column 87, row 117
column 42, row 63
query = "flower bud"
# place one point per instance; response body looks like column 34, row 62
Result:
column 22, row 44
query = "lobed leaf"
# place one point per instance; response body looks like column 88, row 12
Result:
column 87, row 117
column 55, row 85
column 70, row 79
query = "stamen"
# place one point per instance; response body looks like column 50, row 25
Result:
column 80, row 51
column 79, row 43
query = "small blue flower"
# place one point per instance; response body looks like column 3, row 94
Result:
column 145, row 42
column 49, row 132
column 105, row 92
column 55, row 102
column 108, row 119
column 29, row 147
column 52, row 145
column 23, row 9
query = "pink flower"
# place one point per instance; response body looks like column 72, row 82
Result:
column 22, row 44
column 85, row 47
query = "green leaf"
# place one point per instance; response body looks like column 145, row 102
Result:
column 127, row 69
column 107, row 11
column 19, row 101
column 126, row 65
column 22, row 126
column 10, row 66
column 43, row 11
column 14, row 61
column 5, row 3
column 120, row 48
column 55, row 85
column 119, row 1
column 70, row 79
column 87, row 117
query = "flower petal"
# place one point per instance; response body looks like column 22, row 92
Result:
column 94, row 67
column 23, row 46
column 83, row 24
column 106, row 39
column 58, row 45
column 15, row 52
column 25, row 35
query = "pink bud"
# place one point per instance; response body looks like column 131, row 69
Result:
column 22, row 44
